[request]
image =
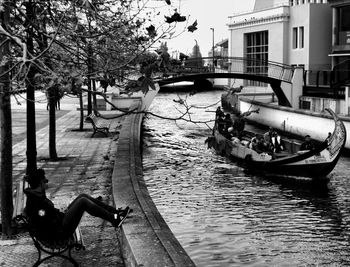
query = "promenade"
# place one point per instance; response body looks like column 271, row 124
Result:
column 85, row 165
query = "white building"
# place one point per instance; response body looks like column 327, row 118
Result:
column 295, row 32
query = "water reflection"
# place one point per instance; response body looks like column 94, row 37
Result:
column 224, row 216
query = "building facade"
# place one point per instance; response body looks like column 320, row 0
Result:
column 294, row 32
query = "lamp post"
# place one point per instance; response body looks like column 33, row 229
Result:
column 213, row 49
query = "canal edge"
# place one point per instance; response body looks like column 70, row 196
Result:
column 146, row 239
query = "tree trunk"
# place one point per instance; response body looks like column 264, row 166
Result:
column 53, row 93
column 6, row 132
column 31, row 128
column 89, row 103
column 81, row 104
column 94, row 95
column 90, row 71
column 52, row 123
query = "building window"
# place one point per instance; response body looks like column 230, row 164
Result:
column 301, row 37
column 257, row 45
column 298, row 37
column 344, row 25
column 305, row 104
column 345, row 18
column 295, row 38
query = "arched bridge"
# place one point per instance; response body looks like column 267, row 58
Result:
column 269, row 72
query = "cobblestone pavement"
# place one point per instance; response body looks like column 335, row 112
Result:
column 85, row 165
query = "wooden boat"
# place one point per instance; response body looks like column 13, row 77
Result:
column 315, row 164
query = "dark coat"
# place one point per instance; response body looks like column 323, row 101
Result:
column 43, row 216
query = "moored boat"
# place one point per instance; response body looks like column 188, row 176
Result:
column 315, row 164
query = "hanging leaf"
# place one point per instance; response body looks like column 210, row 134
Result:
column 138, row 23
column 168, row 19
column 192, row 27
column 151, row 31
column 176, row 17
column 146, row 84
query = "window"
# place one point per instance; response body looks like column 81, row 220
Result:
column 301, row 37
column 295, row 38
column 345, row 18
column 305, row 104
column 298, row 37
column 257, row 55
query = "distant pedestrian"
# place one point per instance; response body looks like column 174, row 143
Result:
column 51, row 222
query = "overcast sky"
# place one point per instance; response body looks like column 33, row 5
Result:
column 209, row 14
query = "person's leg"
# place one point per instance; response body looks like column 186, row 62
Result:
column 96, row 201
column 76, row 210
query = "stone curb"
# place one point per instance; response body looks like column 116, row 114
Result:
column 146, row 239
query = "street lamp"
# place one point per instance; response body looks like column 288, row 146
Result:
column 213, row 49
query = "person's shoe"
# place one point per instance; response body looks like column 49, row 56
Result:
column 120, row 217
column 121, row 210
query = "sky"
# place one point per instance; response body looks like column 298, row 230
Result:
column 209, row 14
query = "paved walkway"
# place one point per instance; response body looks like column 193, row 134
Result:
column 85, row 165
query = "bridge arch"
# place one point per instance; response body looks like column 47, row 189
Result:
column 269, row 72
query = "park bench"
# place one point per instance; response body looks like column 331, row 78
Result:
column 99, row 124
column 54, row 248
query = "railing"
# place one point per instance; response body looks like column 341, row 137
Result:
column 325, row 83
column 239, row 65
column 341, row 73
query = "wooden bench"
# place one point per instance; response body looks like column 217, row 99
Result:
column 54, row 248
column 99, row 124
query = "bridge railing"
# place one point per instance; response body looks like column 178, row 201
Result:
column 237, row 65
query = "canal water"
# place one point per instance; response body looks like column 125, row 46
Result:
column 223, row 216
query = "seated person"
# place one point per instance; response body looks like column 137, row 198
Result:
column 258, row 144
column 307, row 144
column 253, row 142
column 276, row 143
column 221, row 125
column 238, row 126
column 268, row 135
column 219, row 113
column 228, row 125
column 262, row 146
column 54, row 224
